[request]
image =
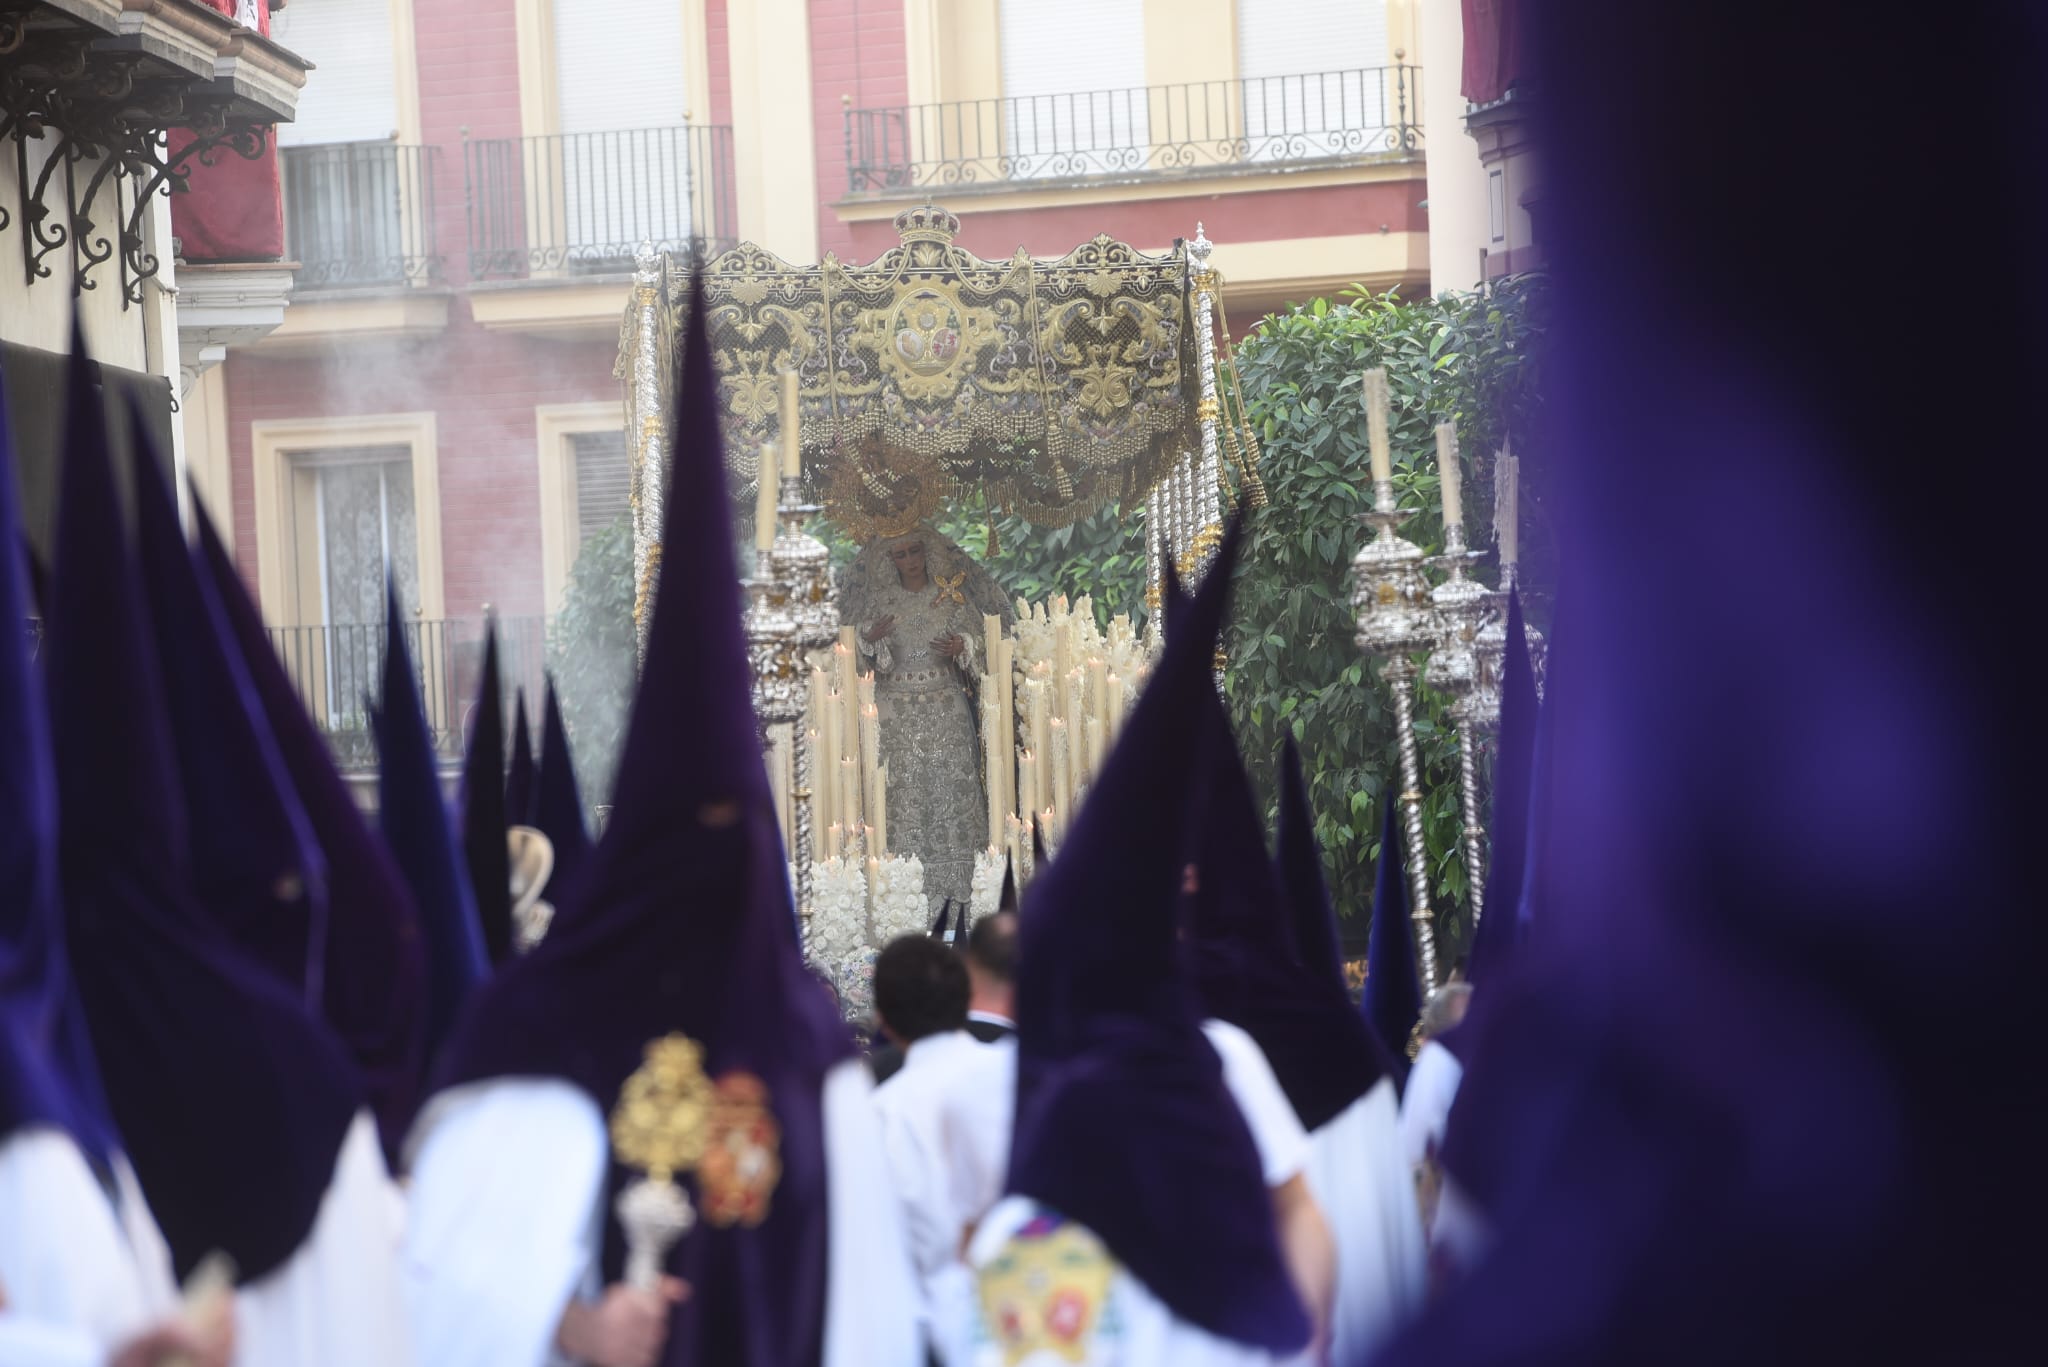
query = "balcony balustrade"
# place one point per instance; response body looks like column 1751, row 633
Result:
column 1329, row 117
column 337, row 667
column 360, row 213
column 572, row 203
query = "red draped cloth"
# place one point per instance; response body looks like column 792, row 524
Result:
column 1493, row 48
column 232, row 211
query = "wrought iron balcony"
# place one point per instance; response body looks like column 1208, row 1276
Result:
column 338, row 667
column 1329, row 117
column 360, row 213
column 583, row 202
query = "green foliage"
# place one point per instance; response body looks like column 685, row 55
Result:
column 591, row 656
column 1473, row 359
column 1102, row 555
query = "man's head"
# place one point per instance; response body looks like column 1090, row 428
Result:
column 992, row 964
column 920, row 989
column 1444, row 1009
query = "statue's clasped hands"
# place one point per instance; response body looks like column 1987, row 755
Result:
column 949, row 645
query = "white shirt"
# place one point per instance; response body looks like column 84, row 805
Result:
column 336, row 1301
column 1426, row 1104
column 508, row 1214
column 84, row 1269
column 1367, row 1190
column 911, row 1107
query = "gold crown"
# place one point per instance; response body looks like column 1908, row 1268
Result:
column 927, row 223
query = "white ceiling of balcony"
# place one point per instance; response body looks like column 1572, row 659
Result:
column 620, row 65
column 351, row 95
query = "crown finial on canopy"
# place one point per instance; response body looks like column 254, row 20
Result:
column 927, row 223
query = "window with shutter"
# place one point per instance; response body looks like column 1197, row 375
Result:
column 602, row 481
column 1315, row 77
column 353, row 96
column 620, row 99
column 1074, row 99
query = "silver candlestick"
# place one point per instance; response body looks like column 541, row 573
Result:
column 1453, row 669
column 803, row 568
column 1391, row 599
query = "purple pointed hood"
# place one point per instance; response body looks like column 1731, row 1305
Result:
column 1123, row 1121
column 558, row 801
column 483, row 808
column 1393, row 995
column 256, row 866
column 231, row 1097
column 48, row 1075
column 1493, row 947
column 373, row 975
column 519, row 775
column 413, row 818
column 681, row 922
column 1258, row 966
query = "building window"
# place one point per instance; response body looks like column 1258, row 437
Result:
column 602, row 481
column 1074, row 101
column 620, row 96
column 1317, row 77
column 359, row 505
column 355, row 96
column 1497, row 205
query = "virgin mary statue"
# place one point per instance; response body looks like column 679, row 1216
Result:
column 916, row 602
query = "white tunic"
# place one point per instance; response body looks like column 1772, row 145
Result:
column 508, row 1211
column 83, row 1269
column 1426, row 1104
column 981, row 1102
column 336, row 1301
column 1367, row 1191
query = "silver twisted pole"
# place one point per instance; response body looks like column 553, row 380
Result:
column 1399, row 672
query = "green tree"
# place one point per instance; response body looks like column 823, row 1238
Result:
column 591, row 656
column 1469, row 358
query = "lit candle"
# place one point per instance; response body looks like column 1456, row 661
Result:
column 1062, row 766
column 765, row 501
column 1375, row 386
column 1098, row 689
column 1041, row 736
column 870, row 759
column 1062, row 662
column 1077, row 701
column 1049, row 822
column 817, row 800
column 1096, row 747
column 825, row 768
column 1116, row 703
column 874, row 879
column 991, row 642
column 1006, row 697
column 992, row 766
column 849, row 798
column 846, row 655
column 792, row 429
column 1027, row 779
column 1507, row 526
column 882, row 813
column 1449, row 476
column 833, row 841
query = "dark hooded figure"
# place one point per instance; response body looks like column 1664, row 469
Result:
column 676, row 968
column 82, row 1264
column 242, row 1113
column 1794, row 819
column 372, row 974
column 558, row 801
column 1265, row 945
column 1154, row 1161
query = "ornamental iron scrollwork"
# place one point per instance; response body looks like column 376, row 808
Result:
column 99, row 120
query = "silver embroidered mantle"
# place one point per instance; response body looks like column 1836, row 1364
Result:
column 937, row 804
